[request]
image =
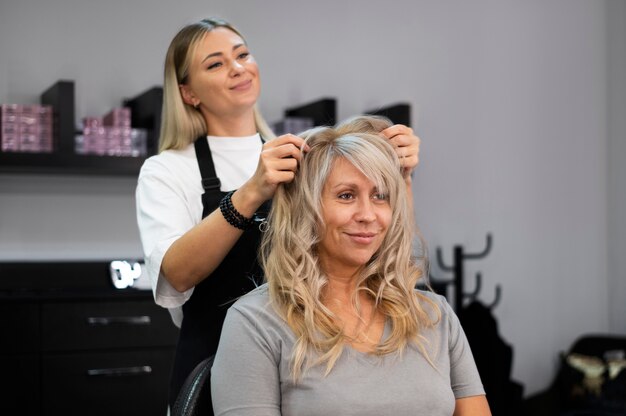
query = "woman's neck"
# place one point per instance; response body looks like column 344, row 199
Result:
column 231, row 126
column 341, row 287
column 340, row 291
column 362, row 325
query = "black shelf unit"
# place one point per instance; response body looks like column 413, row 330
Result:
column 323, row 112
column 145, row 113
column 398, row 113
column 145, row 110
column 59, row 163
column 63, row 160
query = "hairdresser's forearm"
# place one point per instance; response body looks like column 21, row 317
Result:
column 197, row 253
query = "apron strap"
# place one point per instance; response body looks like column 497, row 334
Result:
column 210, row 181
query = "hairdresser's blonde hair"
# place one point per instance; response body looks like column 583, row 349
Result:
column 289, row 256
column 181, row 123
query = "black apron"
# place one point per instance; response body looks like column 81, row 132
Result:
column 237, row 274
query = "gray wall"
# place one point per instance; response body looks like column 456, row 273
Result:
column 519, row 103
column 616, row 12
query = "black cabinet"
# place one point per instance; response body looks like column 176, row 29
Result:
column 130, row 382
column 19, row 357
column 80, row 346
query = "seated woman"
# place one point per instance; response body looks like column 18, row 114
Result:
column 339, row 328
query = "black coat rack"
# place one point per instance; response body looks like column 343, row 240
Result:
column 460, row 255
column 492, row 354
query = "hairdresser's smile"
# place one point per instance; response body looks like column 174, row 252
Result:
column 242, row 86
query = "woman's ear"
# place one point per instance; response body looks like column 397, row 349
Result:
column 188, row 96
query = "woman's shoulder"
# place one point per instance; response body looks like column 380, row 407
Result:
column 255, row 301
column 255, row 306
column 171, row 159
column 431, row 295
column 431, row 299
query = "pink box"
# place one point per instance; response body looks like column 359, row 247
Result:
column 26, row 128
column 117, row 117
column 92, row 122
column 10, row 143
column 11, row 109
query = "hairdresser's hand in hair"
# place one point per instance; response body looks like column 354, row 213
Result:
column 278, row 164
column 407, row 146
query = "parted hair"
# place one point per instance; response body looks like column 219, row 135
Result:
column 181, row 123
column 288, row 253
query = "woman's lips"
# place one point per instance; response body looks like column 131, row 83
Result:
column 362, row 238
column 242, row 86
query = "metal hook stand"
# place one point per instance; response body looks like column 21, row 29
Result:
column 460, row 256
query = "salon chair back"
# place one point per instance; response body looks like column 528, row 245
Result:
column 194, row 398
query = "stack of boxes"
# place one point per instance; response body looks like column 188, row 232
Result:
column 26, row 128
column 111, row 135
column 50, row 127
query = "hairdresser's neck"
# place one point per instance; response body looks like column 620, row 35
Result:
column 234, row 125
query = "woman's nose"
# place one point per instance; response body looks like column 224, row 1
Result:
column 365, row 211
column 236, row 68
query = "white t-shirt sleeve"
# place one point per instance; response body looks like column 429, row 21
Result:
column 163, row 216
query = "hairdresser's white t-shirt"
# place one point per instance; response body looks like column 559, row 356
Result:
column 169, row 202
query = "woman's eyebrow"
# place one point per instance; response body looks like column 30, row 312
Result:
column 343, row 185
column 239, row 45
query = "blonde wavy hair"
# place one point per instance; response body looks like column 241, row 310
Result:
column 181, row 123
column 288, row 253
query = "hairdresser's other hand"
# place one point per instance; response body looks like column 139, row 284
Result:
column 407, row 146
column 278, row 164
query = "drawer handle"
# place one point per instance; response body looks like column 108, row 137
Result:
column 120, row 372
column 124, row 320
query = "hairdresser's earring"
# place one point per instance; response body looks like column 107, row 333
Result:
column 196, row 106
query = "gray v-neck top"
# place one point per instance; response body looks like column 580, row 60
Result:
column 250, row 375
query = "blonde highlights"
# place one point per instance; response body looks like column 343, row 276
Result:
column 288, row 253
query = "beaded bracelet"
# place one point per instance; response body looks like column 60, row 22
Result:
column 233, row 216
